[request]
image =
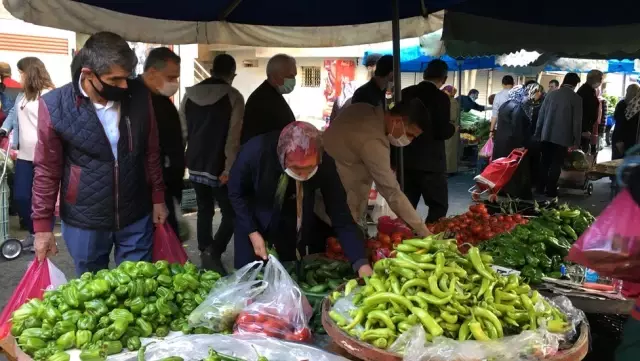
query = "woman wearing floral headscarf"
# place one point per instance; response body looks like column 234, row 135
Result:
column 627, row 115
column 272, row 188
column 514, row 130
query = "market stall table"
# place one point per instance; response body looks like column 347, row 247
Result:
column 605, row 170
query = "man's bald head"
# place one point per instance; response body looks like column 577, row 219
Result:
column 279, row 68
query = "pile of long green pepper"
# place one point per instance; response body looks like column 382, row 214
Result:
column 429, row 282
column 104, row 312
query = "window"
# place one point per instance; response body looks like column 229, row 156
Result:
column 310, row 77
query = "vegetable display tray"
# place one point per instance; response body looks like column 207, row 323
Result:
column 366, row 352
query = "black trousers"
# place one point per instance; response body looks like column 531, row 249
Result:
column 206, row 197
column 172, row 218
column 433, row 189
column 551, row 162
column 607, row 134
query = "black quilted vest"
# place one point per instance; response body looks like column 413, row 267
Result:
column 97, row 192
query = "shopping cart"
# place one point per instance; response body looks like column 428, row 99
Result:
column 496, row 175
column 10, row 248
column 578, row 179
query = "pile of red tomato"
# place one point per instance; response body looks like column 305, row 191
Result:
column 272, row 325
column 476, row 225
column 391, row 232
column 334, row 249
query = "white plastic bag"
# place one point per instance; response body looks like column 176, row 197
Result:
column 218, row 312
column 381, row 208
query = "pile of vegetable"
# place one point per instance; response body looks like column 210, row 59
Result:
column 475, row 126
column 103, row 312
column 431, row 283
column 576, row 160
column 391, row 232
column 476, row 225
column 538, row 248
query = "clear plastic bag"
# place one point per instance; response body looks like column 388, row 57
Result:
column 280, row 311
column 487, row 149
column 229, row 296
column 246, row 347
column 611, row 245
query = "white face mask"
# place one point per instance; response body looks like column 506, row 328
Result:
column 403, row 141
column 169, row 88
column 297, row 177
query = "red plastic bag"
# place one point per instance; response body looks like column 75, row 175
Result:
column 611, row 246
column 40, row 276
column 487, row 149
column 167, row 246
column 281, row 311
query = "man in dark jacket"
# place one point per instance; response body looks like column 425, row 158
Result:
column 590, row 106
column 161, row 74
column 212, row 117
column 98, row 146
column 266, row 109
column 425, row 159
column 468, row 102
column 375, row 90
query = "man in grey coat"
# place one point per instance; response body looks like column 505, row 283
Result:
column 559, row 128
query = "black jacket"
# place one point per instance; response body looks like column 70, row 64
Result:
column 467, row 104
column 590, row 107
column 266, row 111
column 427, row 151
column 370, row 93
column 513, row 129
column 626, row 130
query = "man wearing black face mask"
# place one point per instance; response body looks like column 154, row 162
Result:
column 98, row 145
column 161, row 74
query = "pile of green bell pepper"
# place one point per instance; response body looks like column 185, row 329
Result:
column 103, row 312
column 538, row 248
column 430, row 283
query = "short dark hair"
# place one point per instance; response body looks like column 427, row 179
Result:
column 529, row 82
column 572, row 79
column 413, row 108
column 384, row 66
column 371, row 60
column 102, row 51
column 553, row 81
column 473, row 91
column 508, row 80
column 158, row 58
column 223, row 65
column 436, row 69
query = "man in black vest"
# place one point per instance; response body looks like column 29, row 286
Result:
column 98, row 147
column 161, row 74
column 212, row 114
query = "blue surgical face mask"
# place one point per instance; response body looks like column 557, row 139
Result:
column 288, row 86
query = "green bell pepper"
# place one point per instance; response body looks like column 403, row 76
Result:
column 96, row 307
column 145, row 327
column 83, row 337
column 149, row 310
column 121, row 291
column 59, row 356
column 99, row 287
column 532, row 260
column 50, row 314
column 532, row 274
column 72, row 315
column 162, row 331
column 165, row 280
column 136, row 305
column 176, row 268
column 147, row 269
column 32, row 322
column 133, row 343
column 136, row 288
column 86, row 322
column 150, row 286
column 37, row 333
column 190, row 268
column 545, row 262
column 67, row 341
column 70, row 296
column 111, row 279
column 556, row 262
column 177, row 324
column 104, row 322
column 63, row 327
column 162, row 267
column 209, row 276
column 163, row 292
column 121, row 314
column 98, row 335
column 116, row 330
column 112, row 347
column 122, row 277
column 93, row 354
column 31, row 344
column 112, row 301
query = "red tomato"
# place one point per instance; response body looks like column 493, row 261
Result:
column 245, row 318
column 384, row 239
column 396, row 237
column 250, row 327
column 304, row 334
column 490, row 235
column 477, row 229
column 385, row 219
column 336, row 248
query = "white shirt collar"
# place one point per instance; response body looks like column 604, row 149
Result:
column 98, row 106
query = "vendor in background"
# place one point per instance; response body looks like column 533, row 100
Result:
column 590, row 108
column 23, row 120
column 468, row 102
column 161, row 74
column 514, row 131
column 553, row 85
column 375, row 90
column 627, row 116
column 272, row 189
column 359, row 141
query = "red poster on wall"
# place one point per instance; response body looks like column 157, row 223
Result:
column 338, row 84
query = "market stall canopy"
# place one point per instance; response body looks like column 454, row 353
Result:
column 283, row 23
column 413, row 59
column 564, row 27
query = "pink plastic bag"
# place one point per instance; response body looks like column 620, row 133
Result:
column 40, row 276
column 167, row 246
column 487, row 149
column 611, row 246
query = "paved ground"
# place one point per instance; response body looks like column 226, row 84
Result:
column 459, row 200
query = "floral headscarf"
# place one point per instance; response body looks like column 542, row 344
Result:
column 633, row 107
column 298, row 141
column 525, row 96
column 450, row 90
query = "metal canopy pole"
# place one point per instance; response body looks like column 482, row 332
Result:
column 397, row 86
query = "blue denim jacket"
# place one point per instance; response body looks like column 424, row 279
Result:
column 11, row 123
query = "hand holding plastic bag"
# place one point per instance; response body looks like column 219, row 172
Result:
column 611, row 246
column 487, row 149
column 229, row 296
column 281, row 311
column 167, row 246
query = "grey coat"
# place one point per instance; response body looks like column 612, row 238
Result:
column 560, row 119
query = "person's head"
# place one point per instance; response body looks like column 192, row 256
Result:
column 508, row 82
column 282, row 72
column 437, row 72
column 405, row 121
column 299, row 150
column 553, row 85
column 474, row 94
column 162, row 71
column 450, row 90
column 104, row 63
column 34, row 77
column 492, row 97
column 5, row 70
column 526, row 94
column 571, row 80
column 370, row 63
column 594, row 78
column 384, row 68
column 632, row 91
column 224, row 68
